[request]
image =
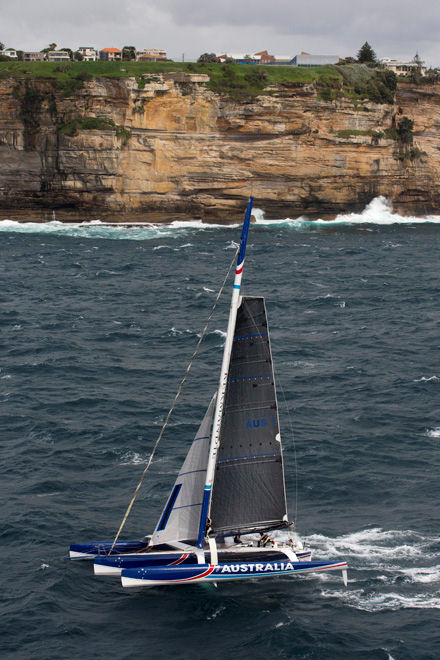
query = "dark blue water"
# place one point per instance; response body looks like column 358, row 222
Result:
column 96, row 334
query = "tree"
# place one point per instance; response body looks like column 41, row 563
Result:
column 68, row 50
column 78, row 56
column 129, row 53
column 418, row 60
column 366, row 54
column 404, row 130
column 348, row 60
column 2, row 45
column 20, row 55
column 207, row 58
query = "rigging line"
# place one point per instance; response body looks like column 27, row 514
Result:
column 295, row 513
column 179, row 390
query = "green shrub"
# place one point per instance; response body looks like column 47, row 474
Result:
column 404, row 130
column 325, row 94
column 84, row 76
column 72, row 127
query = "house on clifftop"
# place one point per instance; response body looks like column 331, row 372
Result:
column 110, row 54
column 404, row 68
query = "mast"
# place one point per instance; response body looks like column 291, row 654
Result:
column 215, row 435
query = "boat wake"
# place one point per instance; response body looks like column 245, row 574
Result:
column 389, row 569
column 378, row 212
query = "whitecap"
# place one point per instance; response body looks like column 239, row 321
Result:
column 231, row 245
column 434, row 433
column 216, row 612
column 221, row 333
column 373, row 544
column 368, row 602
column 132, row 458
column 424, row 574
column 429, row 379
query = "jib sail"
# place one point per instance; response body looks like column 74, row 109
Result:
column 180, row 517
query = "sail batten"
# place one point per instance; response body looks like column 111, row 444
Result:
column 248, row 490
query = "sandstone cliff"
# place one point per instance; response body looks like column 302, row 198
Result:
column 173, row 145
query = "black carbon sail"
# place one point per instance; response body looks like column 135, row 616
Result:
column 248, row 490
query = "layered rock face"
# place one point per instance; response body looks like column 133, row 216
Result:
column 190, row 150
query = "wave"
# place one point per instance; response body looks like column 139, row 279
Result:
column 368, row 602
column 375, row 544
column 378, row 212
column 380, row 578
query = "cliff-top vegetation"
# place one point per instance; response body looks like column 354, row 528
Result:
column 236, row 81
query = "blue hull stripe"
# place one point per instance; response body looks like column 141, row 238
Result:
column 227, row 571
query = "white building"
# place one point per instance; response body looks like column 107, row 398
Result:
column 239, row 58
column 10, row 52
column 403, row 68
column 305, row 59
column 151, row 55
column 88, row 53
column 58, row 56
column 33, row 56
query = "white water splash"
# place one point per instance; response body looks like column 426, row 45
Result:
column 424, row 574
column 221, row 333
column 374, row 545
column 388, row 551
column 429, row 379
column 433, row 433
column 378, row 212
column 132, row 458
column 361, row 600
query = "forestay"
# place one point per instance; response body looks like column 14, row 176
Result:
column 248, row 489
column 180, row 518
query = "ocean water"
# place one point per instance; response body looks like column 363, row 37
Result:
column 98, row 324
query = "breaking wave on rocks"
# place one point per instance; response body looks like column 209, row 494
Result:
column 378, row 212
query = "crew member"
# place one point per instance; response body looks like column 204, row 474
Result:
column 265, row 540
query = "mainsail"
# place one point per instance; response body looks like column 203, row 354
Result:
column 180, row 517
column 248, row 491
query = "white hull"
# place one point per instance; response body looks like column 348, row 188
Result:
column 80, row 555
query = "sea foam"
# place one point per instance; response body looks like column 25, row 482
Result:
column 378, row 212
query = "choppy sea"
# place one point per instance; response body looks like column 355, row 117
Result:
column 98, row 323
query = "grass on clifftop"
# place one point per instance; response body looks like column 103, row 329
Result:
column 237, row 81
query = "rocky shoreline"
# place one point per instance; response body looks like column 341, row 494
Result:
column 175, row 149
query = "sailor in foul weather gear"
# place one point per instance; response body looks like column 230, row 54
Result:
column 264, row 540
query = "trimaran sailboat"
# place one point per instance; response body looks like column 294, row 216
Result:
column 230, row 492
